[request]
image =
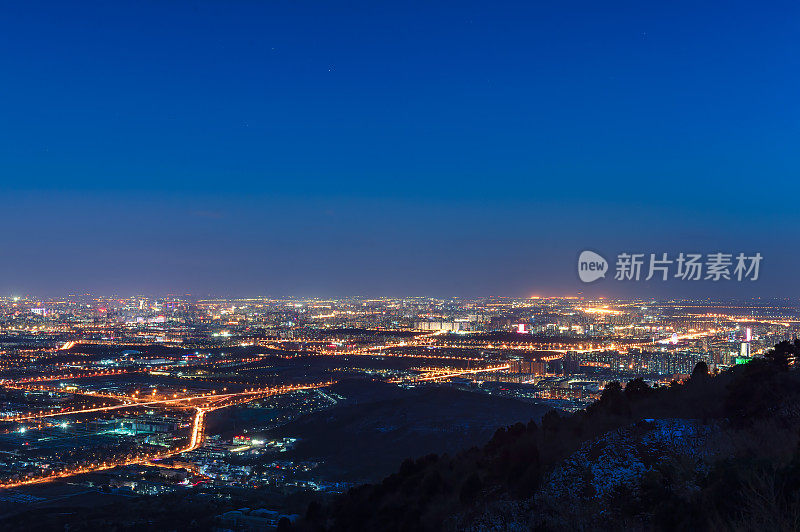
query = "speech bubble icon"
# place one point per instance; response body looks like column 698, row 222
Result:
column 591, row 266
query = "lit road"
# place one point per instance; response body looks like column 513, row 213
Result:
column 163, row 402
column 465, row 372
column 196, row 437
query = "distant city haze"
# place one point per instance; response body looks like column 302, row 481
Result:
column 275, row 149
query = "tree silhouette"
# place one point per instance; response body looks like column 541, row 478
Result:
column 699, row 373
column 470, row 489
column 784, row 354
column 637, row 388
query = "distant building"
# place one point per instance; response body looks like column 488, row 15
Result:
column 745, row 350
column 448, row 326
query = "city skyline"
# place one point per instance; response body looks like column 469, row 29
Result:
column 399, row 266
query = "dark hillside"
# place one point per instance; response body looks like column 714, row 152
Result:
column 366, row 441
column 715, row 452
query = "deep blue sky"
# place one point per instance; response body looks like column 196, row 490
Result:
column 384, row 148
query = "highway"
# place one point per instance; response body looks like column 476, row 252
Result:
column 196, row 437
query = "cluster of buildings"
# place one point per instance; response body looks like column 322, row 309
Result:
column 136, row 375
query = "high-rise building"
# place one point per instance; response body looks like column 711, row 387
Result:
column 745, row 350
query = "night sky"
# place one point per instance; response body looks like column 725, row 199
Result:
column 377, row 148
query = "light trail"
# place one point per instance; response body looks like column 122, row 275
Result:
column 220, row 364
column 99, row 409
column 157, row 402
column 69, row 376
column 194, row 442
column 465, row 372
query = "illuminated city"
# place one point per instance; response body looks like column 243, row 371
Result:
column 108, row 389
column 399, row 266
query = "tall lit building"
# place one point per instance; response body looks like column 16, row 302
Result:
column 745, row 350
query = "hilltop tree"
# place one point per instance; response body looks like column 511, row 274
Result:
column 699, row 373
column 637, row 388
column 784, row 354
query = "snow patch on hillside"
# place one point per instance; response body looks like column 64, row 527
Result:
column 620, row 458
